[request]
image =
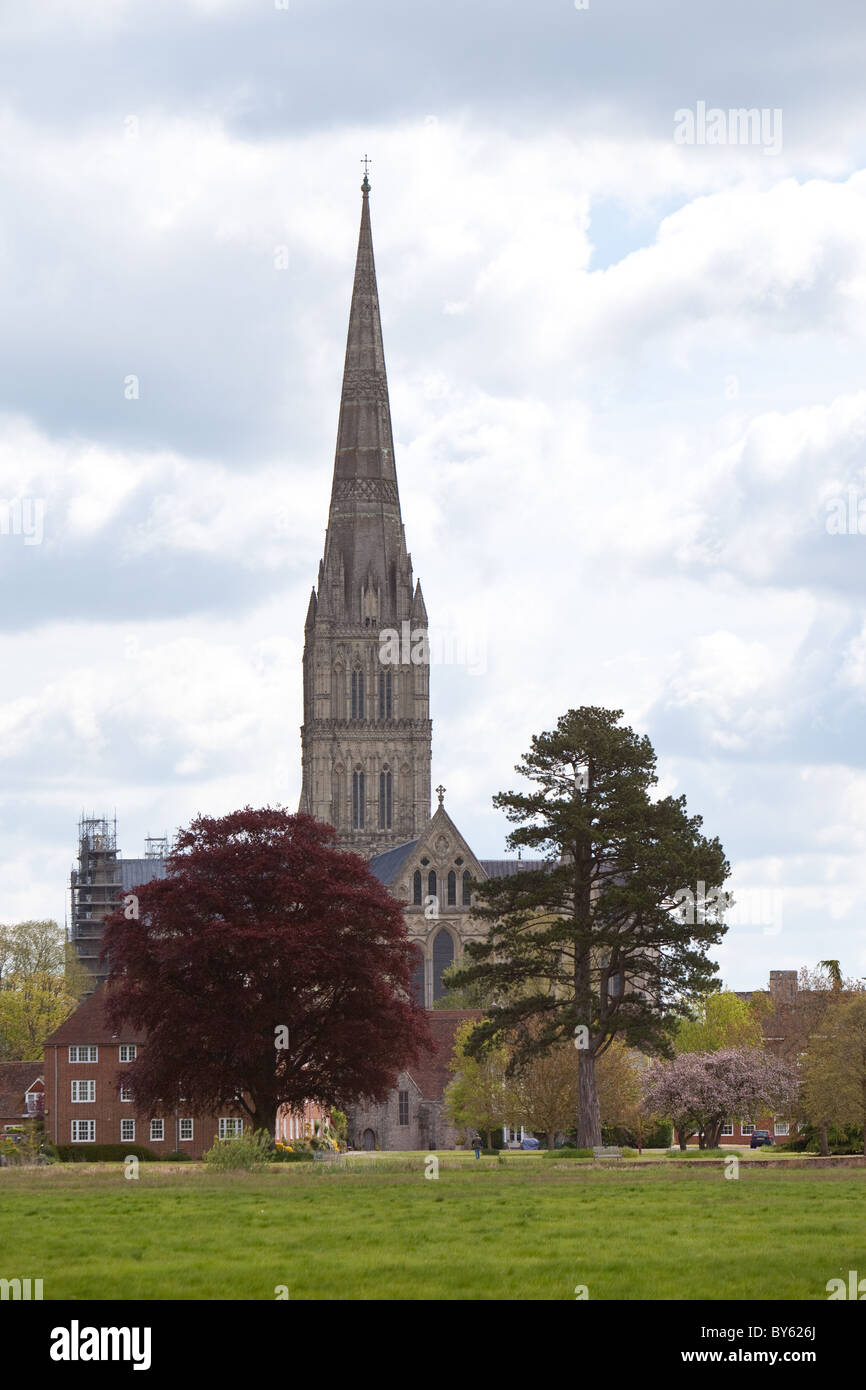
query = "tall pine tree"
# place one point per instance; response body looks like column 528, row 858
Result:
column 608, row 936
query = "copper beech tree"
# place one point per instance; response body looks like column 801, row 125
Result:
column 268, row 968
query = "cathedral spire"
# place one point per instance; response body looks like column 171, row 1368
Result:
column 366, row 734
column 364, row 523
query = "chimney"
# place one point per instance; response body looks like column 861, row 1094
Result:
column 783, row 986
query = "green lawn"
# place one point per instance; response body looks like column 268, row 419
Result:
column 377, row 1229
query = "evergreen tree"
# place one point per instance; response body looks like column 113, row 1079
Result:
column 607, row 923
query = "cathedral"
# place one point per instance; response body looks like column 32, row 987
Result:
column 366, row 739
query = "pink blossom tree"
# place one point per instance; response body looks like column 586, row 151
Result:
column 699, row 1090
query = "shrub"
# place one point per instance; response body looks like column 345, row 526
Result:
column 705, row 1153
column 104, row 1153
column 248, row 1152
column 291, row 1153
column 570, row 1153
column 178, row 1157
column 629, row 1153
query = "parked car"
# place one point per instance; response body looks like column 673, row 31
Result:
column 530, row 1143
column 760, row 1137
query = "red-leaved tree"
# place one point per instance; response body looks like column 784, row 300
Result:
column 269, row 968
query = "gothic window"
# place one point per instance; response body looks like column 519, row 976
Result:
column 431, row 883
column 418, row 975
column 384, row 694
column 452, row 888
column 403, row 1101
column 443, row 958
column 358, row 800
column 467, row 897
column 384, row 801
column 416, row 888
column 357, row 694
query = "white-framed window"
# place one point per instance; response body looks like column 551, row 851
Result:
column 127, row 1131
column 157, row 1131
column 780, row 1127
column 230, row 1127
column 746, row 1127
column 127, row 1052
column 126, row 1093
column 83, row 1054
column 184, row 1131
column 728, row 1130
column 83, row 1091
column 83, row 1131
column 31, row 1101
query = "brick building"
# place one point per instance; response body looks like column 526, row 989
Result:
column 785, row 1025
column 22, row 1092
column 85, row 1105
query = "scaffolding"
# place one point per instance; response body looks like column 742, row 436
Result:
column 95, row 887
column 156, row 847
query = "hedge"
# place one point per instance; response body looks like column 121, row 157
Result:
column 105, row 1153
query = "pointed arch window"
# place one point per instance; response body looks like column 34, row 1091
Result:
column 443, row 958
column 452, row 888
column 358, row 798
column 384, row 801
column 467, row 896
column 418, row 975
column 385, row 699
column 431, row 884
column 416, row 888
column 357, row 694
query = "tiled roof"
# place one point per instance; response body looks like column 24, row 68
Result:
column 431, row 1074
column 15, row 1079
column 386, row 866
column 88, row 1025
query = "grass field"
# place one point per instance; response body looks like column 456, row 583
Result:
column 377, row 1229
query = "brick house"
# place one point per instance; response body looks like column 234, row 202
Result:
column 22, row 1092
column 783, row 1033
column 84, row 1103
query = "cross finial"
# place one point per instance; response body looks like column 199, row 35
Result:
column 365, row 186
column 440, row 792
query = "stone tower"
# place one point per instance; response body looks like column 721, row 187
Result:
column 366, row 736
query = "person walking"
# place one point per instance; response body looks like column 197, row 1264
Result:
column 475, row 1141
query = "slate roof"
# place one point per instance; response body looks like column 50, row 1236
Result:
column 135, row 871
column 385, row 867
column 504, row 868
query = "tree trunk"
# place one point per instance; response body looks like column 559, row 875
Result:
column 488, row 1137
column 551, row 1141
column 588, row 1111
column 683, row 1138
column 825, row 1142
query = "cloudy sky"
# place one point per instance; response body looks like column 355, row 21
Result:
column 627, row 384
